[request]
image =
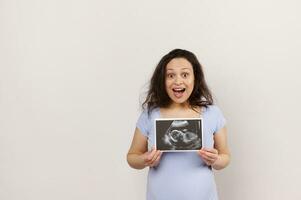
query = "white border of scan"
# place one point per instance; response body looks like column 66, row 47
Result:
column 164, row 119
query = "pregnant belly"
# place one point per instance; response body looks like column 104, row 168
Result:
column 179, row 180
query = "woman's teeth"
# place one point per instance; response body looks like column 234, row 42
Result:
column 178, row 93
column 179, row 90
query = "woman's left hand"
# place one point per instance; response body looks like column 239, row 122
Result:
column 208, row 155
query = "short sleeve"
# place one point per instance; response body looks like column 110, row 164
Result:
column 143, row 123
column 220, row 119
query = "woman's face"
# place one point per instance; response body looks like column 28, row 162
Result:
column 179, row 80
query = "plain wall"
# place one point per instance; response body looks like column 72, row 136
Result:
column 73, row 74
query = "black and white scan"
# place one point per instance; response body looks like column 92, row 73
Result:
column 179, row 134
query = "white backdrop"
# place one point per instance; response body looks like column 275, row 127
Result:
column 71, row 73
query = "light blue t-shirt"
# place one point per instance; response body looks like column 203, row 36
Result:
column 182, row 175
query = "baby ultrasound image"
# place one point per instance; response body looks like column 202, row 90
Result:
column 179, row 135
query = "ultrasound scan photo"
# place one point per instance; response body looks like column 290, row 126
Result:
column 178, row 134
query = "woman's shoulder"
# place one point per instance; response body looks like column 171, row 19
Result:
column 213, row 109
column 148, row 113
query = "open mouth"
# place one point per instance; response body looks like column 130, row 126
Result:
column 179, row 90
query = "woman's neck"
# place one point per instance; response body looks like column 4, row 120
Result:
column 179, row 106
column 180, row 110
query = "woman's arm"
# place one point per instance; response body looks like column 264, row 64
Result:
column 138, row 157
column 219, row 156
column 221, row 145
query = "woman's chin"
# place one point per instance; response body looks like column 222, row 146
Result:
column 179, row 101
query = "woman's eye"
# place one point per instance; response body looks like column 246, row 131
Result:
column 185, row 75
column 170, row 75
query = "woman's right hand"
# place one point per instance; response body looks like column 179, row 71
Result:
column 152, row 157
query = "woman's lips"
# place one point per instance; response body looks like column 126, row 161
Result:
column 178, row 89
column 178, row 93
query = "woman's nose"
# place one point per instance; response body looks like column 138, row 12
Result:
column 178, row 80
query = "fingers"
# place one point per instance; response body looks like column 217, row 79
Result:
column 156, row 160
column 208, row 159
column 209, row 150
column 208, row 155
column 152, row 157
